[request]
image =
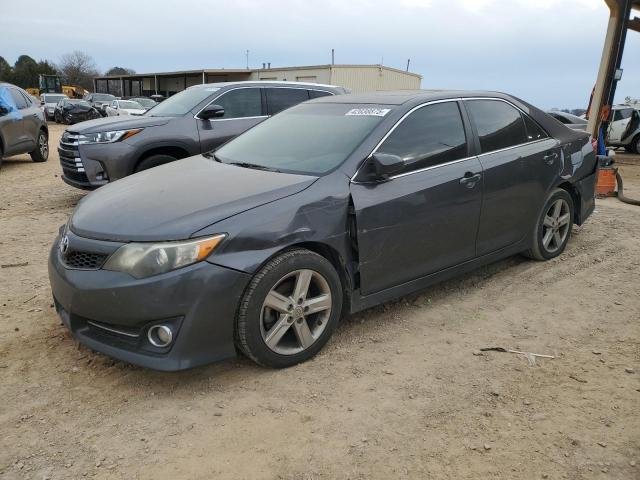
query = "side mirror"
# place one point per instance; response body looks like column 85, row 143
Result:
column 211, row 111
column 41, row 102
column 385, row 165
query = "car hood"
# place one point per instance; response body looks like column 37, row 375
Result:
column 173, row 201
column 134, row 111
column 118, row 123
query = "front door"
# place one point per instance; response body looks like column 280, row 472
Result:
column 243, row 108
column 424, row 219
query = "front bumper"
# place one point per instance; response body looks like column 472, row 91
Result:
column 110, row 312
column 93, row 165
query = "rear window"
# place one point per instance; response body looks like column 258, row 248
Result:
column 499, row 124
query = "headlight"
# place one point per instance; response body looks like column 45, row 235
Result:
column 142, row 260
column 107, row 137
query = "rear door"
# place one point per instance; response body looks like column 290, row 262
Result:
column 425, row 218
column 520, row 163
column 243, row 108
column 32, row 119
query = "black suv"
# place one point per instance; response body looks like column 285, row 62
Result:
column 23, row 128
column 193, row 121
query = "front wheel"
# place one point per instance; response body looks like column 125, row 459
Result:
column 41, row 153
column 553, row 229
column 289, row 310
column 154, row 161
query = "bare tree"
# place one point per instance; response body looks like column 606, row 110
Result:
column 78, row 68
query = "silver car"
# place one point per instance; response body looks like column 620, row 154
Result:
column 48, row 102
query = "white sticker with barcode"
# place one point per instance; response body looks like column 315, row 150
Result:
column 375, row 112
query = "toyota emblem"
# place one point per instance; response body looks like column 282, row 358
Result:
column 64, row 244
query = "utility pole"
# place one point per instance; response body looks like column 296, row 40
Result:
column 333, row 56
column 247, row 54
column 408, row 61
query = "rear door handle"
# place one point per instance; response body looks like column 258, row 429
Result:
column 549, row 159
column 469, row 180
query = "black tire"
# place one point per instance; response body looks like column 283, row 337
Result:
column 154, row 161
column 41, row 153
column 636, row 144
column 629, row 148
column 538, row 250
column 249, row 336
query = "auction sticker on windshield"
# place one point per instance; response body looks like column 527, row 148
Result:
column 376, row 112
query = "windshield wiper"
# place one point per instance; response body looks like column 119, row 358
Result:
column 254, row 166
column 212, row 155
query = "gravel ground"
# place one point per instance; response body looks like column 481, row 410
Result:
column 401, row 391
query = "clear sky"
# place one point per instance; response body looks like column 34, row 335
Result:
column 545, row 51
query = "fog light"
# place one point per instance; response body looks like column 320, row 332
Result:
column 160, row 336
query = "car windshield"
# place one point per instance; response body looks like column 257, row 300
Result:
column 181, row 103
column 80, row 102
column 103, row 97
column 131, row 105
column 309, row 139
column 53, row 98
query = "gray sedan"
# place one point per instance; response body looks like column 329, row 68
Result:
column 329, row 207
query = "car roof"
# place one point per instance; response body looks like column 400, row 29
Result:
column 264, row 82
column 400, row 97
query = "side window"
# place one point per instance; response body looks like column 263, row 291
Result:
column 318, row 93
column 6, row 102
column 18, row 98
column 243, row 102
column 27, row 98
column 499, row 124
column 564, row 120
column 429, row 136
column 534, row 131
column 280, row 99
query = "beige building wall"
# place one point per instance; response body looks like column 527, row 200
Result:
column 366, row 78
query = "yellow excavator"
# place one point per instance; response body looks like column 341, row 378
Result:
column 52, row 84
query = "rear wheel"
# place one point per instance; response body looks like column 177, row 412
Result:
column 41, row 153
column 154, row 161
column 553, row 229
column 636, row 144
column 289, row 310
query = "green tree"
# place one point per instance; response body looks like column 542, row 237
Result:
column 115, row 71
column 6, row 72
column 25, row 72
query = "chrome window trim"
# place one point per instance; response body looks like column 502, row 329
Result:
column 375, row 149
column 293, row 87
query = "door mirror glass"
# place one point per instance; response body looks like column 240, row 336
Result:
column 386, row 165
column 211, row 111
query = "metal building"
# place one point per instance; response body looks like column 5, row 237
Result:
column 357, row 78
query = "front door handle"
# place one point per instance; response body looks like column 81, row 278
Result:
column 469, row 180
column 549, row 159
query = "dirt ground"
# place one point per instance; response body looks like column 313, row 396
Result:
column 400, row 392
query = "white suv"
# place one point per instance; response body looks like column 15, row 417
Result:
column 624, row 128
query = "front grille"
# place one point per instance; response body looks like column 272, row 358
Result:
column 84, row 260
column 70, row 160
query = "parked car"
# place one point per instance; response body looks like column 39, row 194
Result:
column 196, row 120
column 49, row 102
column 332, row 206
column 99, row 101
column 23, row 128
column 72, row 111
column 572, row 121
column 147, row 103
column 124, row 107
column 624, row 128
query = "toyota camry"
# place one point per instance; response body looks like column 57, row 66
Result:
column 330, row 207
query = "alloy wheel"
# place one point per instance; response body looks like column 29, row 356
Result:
column 556, row 225
column 295, row 312
column 43, row 146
